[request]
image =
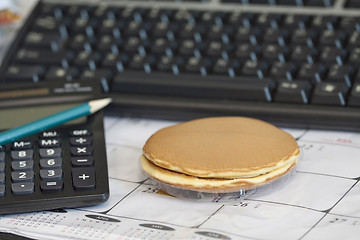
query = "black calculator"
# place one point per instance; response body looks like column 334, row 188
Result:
column 63, row 167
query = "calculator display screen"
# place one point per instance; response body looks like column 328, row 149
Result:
column 14, row 117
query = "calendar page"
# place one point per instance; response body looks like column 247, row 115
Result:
column 321, row 201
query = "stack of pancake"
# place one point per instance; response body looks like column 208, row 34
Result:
column 219, row 154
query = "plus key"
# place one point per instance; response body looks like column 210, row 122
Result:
column 83, row 178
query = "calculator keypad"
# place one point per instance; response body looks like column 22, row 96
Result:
column 42, row 158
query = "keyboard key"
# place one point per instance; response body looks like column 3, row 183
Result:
column 352, row 4
column 246, row 51
column 254, row 69
column 303, row 54
column 226, row 67
column 354, row 58
column 324, row 21
column 296, row 21
column 197, row 65
column 43, row 57
column 344, row 73
column 244, row 88
column 24, row 73
column 354, row 98
column 281, row 70
column 290, row 2
column 293, row 92
column 331, row 55
column 56, row 73
column 83, row 178
column 354, row 39
column 330, row 94
column 332, row 38
column 307, row 37
column 22, row 188
column 273, row 52
column 312, row 72
column 142, row 62
column 81, row 42
column 320, row 3
column 170, row 64
column 52, row 41
column 87, row 60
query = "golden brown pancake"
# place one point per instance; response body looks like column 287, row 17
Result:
column 220, row 153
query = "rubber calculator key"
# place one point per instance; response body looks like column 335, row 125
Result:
column 50, row 152
column 82, row 161
column 22, row 165
column 51, row 163
column 2, row 178
column 23, row 188
column 48, row 186
column 2, row 190
column 83, row 178
column 22, row 155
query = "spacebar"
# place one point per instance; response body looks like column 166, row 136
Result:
column 242, row 88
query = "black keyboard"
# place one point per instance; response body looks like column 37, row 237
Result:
column 291, row 62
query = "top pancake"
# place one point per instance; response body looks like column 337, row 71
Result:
column 221, row 147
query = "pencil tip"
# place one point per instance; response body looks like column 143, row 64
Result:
column 96, row 105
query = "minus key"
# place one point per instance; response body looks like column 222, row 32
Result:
column 82, row 161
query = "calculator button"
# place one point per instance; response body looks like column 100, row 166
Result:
column 51, row 174
column 81, row 151
column 51, row 163
column 22, row 165
column 2, row 156
column 80, row 141
column 22, row 188
column 22, row 155
column 25, row 176
column 49, row 152
column 83, row 178
column 2, row 177
column 49, row 142
column 50, row 134
column 82, row 161
column 2, row 167
column 20, row 145
column 56, row 185
column 2, row 190
column 80, row 132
